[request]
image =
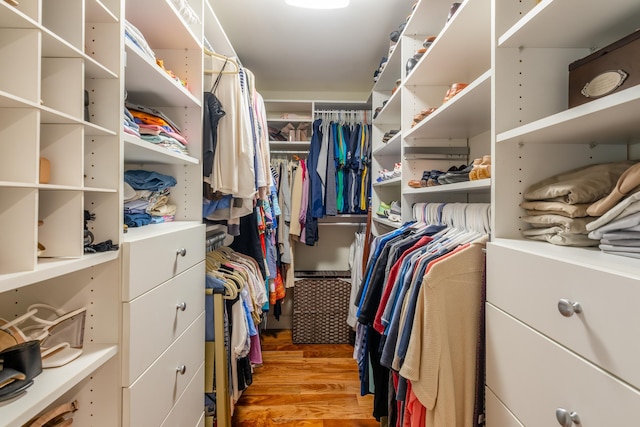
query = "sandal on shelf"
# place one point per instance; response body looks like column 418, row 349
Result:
column 59, row 416
column 61, row 335
column 21, row 363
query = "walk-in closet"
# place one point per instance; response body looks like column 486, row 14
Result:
column 354, row 213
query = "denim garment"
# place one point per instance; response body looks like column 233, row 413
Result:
column 148, row 180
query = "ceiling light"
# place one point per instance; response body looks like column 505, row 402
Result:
column 319, row 4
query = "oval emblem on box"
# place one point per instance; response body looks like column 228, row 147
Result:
column 604, row 83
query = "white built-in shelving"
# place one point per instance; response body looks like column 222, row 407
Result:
column 457, row 131
column 538, row 136
column 53, row 53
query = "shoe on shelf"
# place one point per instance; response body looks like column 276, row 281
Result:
column 21, row 363
column 382, row 175
column 397, row 170
column 61, row 334
column 395, row 212
column 388, row 175
column 383, row 210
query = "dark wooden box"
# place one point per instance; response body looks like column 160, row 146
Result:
column 611, row 69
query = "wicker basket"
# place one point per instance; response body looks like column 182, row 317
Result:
column 320, row 309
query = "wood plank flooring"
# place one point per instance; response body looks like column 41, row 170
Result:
column 311, row 385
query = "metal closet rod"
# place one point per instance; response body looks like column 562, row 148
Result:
column 289, row 151
column 342, row 223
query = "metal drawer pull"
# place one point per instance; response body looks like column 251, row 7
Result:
column 568, row 308
column 181, row 369
column 566, row 418
column 182, row 306
column 181, row 252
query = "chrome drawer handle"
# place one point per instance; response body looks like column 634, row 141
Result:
column 181, row 252
column 566, row 418
column 182, row 306
column 568, row 308
column 181, row 369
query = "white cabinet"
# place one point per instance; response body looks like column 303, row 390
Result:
column 458, row 131
column 52, row 53
column 163, row 264
column 539, row 361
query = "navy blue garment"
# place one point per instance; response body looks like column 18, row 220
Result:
column 352, row 167
column 316, row 204
column 364, row 285
column 371, row 299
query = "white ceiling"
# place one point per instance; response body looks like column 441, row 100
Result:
column 303, row 50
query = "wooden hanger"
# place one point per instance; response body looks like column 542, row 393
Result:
column 221, row 58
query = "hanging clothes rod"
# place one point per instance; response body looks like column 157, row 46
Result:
column 289, row 151
column 356, row 224
column 215, row 240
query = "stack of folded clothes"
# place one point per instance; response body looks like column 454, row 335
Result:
column 559, row 208
column 155, row 127
column 617, row 227
column 146, row 198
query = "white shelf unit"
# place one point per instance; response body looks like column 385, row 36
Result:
column 301, row 113
column 459, row 130
column 535, row 137
column 52, row 53
column 149, row 299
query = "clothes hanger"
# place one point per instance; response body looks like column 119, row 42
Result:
column 230, row 286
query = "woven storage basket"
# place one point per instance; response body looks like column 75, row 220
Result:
column 320, row 309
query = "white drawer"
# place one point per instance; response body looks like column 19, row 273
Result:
column 153, row 321
column 189, row 410
column 530, row 286
column 148, row 401
column 147, row 262
column 496, row 413
column 534, row 376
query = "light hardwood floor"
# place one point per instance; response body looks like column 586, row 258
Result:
column 311, row 385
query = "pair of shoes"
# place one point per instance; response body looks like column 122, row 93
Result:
column 420, row 183
column 384, row 175
column 21, row 363
column 422, row 115
column 397, row 170
column 388, row 135
column 61, row 335
column 395, row 212
column 394, row 36
column 455, row 89
column 59, row 416
column 383, row 210
column 481, row 168
column 456, row 174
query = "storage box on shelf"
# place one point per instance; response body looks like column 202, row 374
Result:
column 537, row 136
column 42, row 85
